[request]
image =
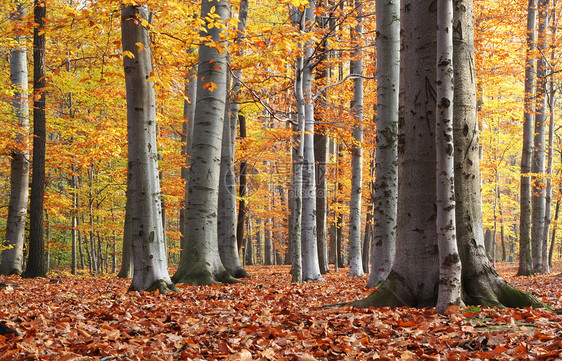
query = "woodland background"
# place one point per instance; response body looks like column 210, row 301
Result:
column 86, row 121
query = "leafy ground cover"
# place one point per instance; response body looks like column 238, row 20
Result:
column 268, row 318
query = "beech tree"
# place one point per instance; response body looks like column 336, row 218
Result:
column 143, row 187
column 228, row 245
column 525, row 258
column 12, row 257
column 36, row 258
column 356, row 68
column 414, row 276
column 538, row 199
column 200, row 262
column 386, row 181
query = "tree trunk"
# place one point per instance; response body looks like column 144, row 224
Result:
column 449, row 260
column 414, row 278
column 36, row 260
column 187, row 139
column 356, row 68
column 525, row 258
column 200, row 263
column 148, row 243
column 386, row 182
column 126, row 270
column 242, row 191
column 12, row 257
column 538, row 200
column 321, row 156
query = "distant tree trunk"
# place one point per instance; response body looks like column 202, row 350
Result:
column 386, row 182
column 36, row 257
column 488, row 239
column 200, row 263
column 368, row 235
column 356, row 67
column 74, row 220
column 242, row 192
column 525, row 258
column 126, row 270
column 12, row 258
column 148, row 243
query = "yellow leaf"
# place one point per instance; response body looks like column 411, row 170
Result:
column 129, row 54
column 140, row 45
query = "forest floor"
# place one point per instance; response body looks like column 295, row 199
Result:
column 268, row 318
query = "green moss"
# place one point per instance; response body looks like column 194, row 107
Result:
column 512, row 297
column 162, row 287
column 385, row 296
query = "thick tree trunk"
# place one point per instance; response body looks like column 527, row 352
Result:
column 148, row 243
column 200, row 263
column 36, row 258
column 356, row 67
column 414, row 277
column 525, row 258
column 386, row 182
column 12, row 257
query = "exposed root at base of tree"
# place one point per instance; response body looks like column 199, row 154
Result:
column 160, row 285
column 483, row 294
column 205, row 278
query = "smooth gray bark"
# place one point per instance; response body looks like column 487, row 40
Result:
column 228, row 245
column 36, row 257
column 414, row 277
column 186, row 138
column 525, row 258
column 200, row 263
column 538, row 200
column 356, row 68
column 148, row 241
column 386, row 182
column 449, row 260
column 310, row 264
column 12, row 257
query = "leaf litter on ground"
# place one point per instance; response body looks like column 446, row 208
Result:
column 267, row 318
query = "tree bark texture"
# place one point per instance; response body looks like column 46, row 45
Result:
column 525, row 258
column 12, row 258
column 386, row 182
column 150, row 270
column 36, row 258
column 200, row 262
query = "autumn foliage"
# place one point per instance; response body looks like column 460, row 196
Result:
column 268, row 318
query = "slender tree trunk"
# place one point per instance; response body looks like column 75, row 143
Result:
column 538, row 166
column 187, row 139
column 386, row 183
column 449, row 260
column 242, row 191
column 12, row 257
column 321, row 156
column 200, row 263
column 525, row 258
column 356, row 67
column 126, row 270
column 295, row 194
column 74, row 219
column 148, row 243
column 36, row 259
